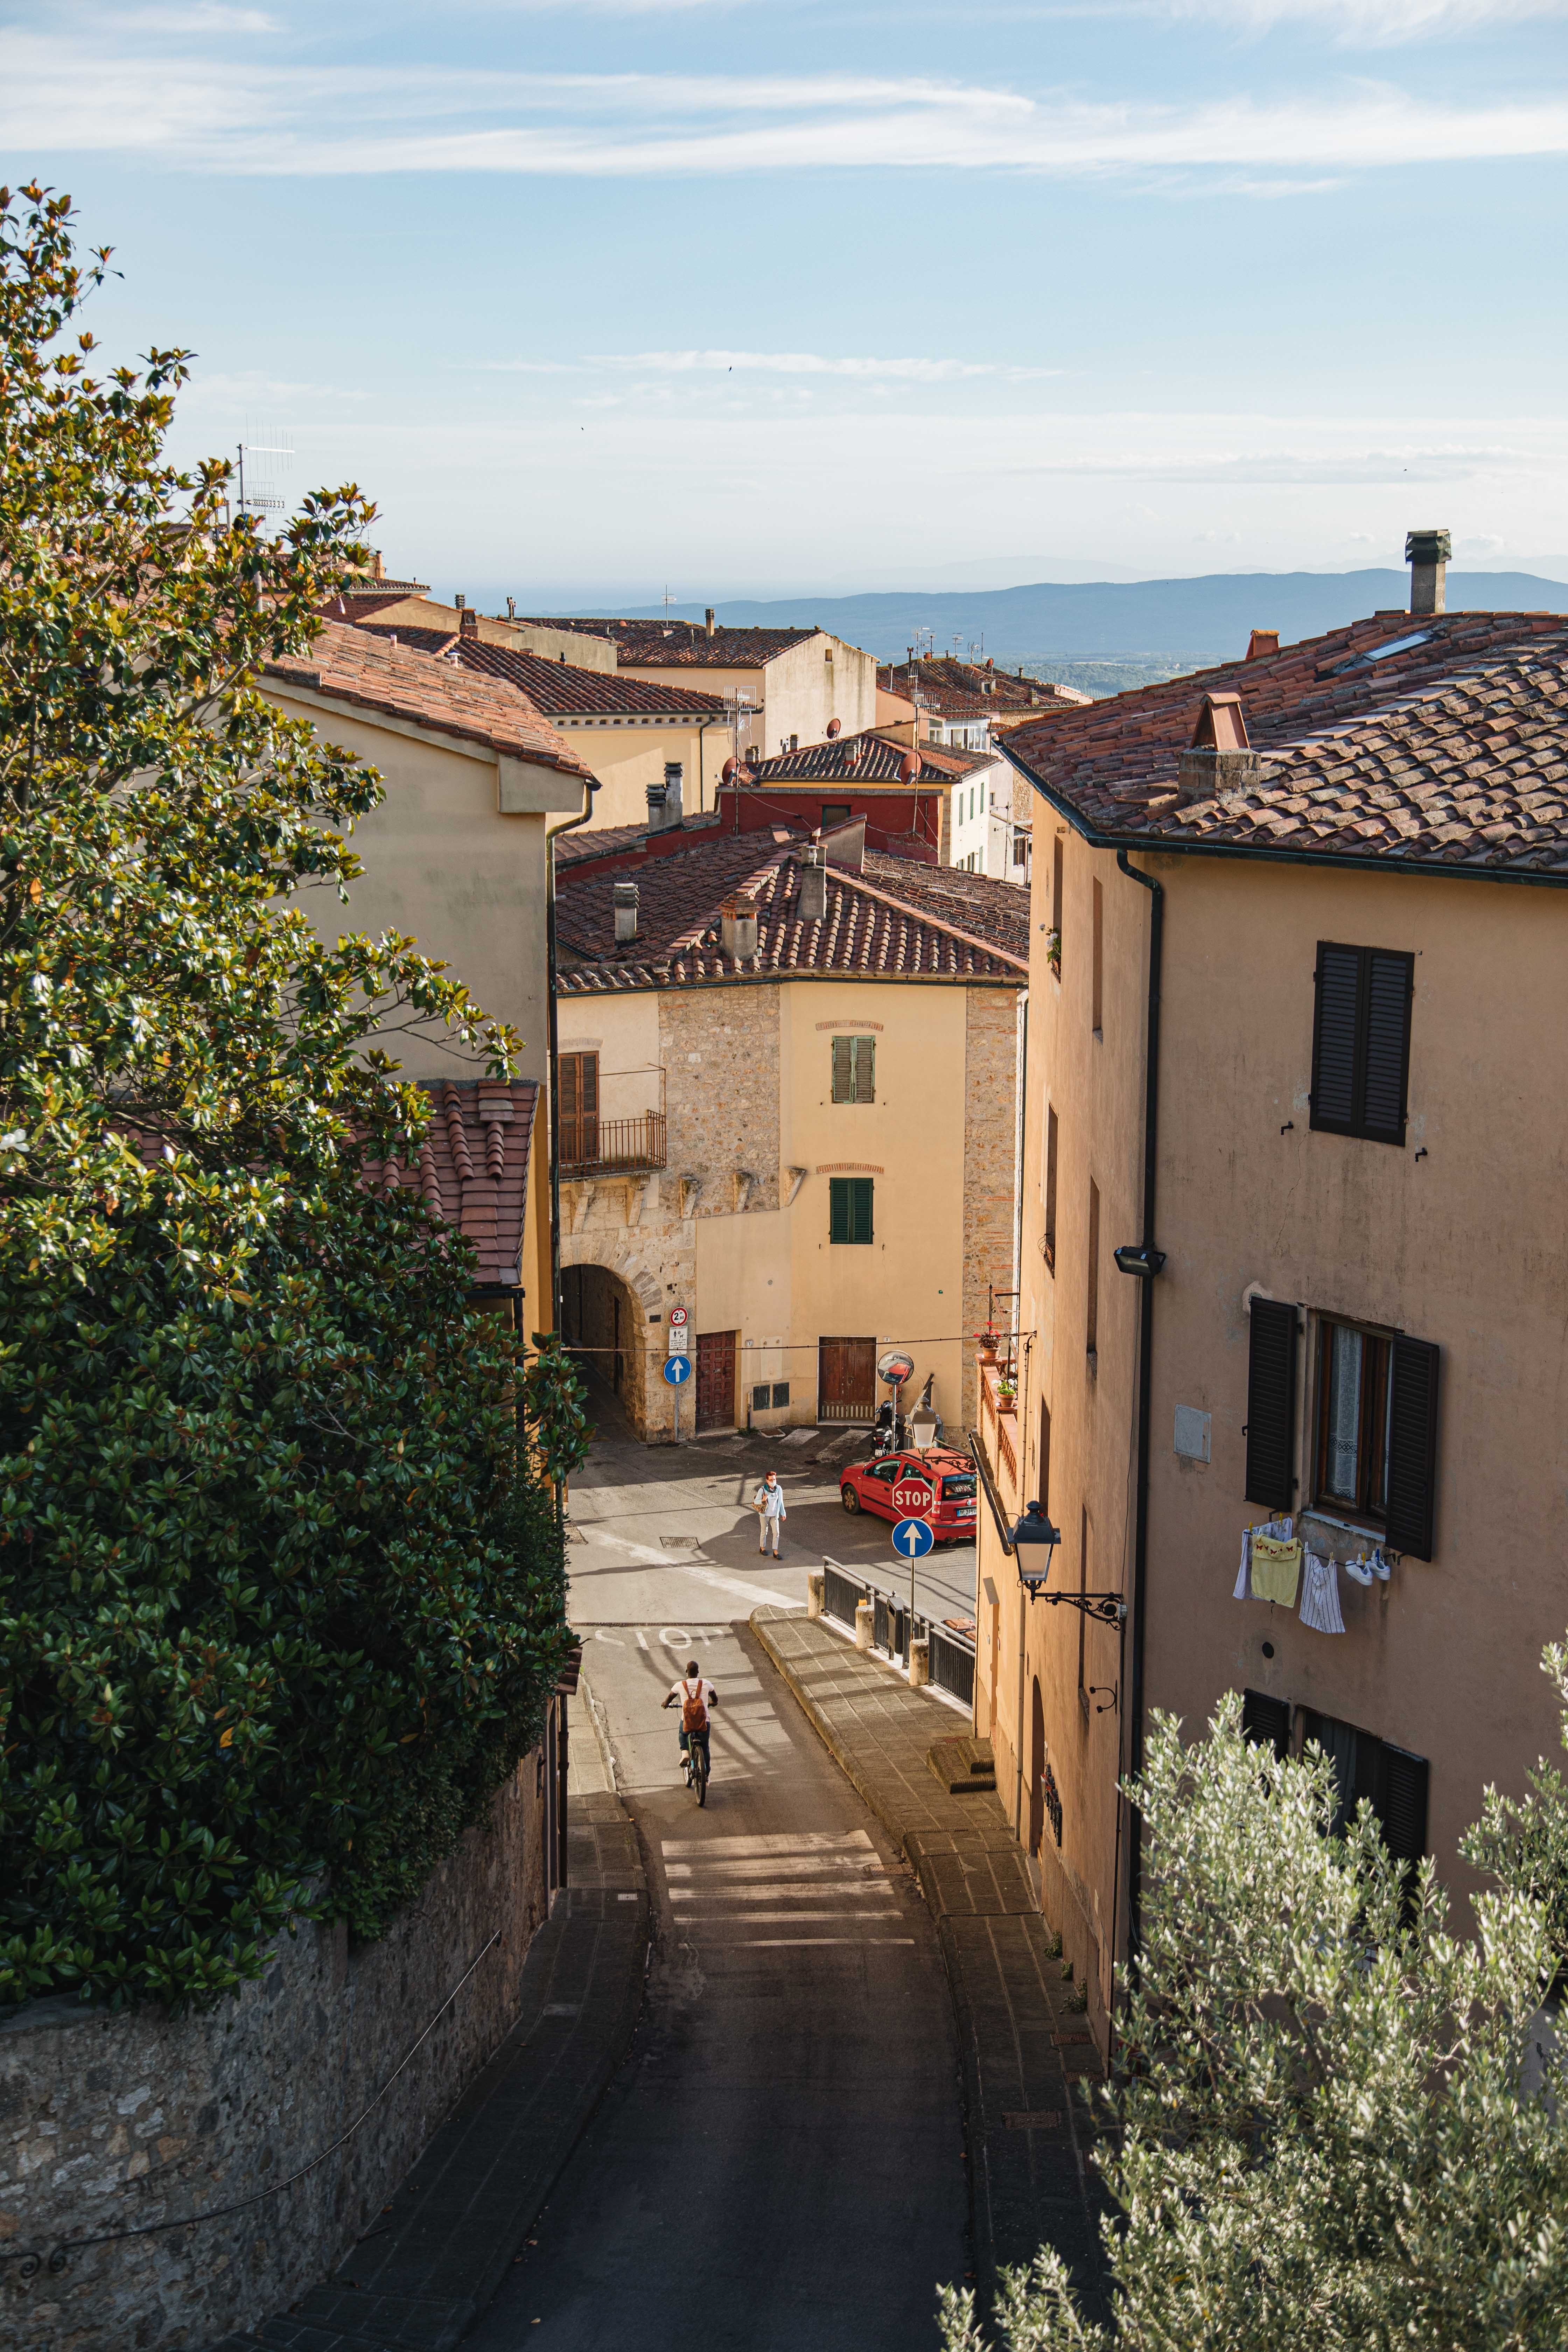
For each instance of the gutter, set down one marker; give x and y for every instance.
(1145, 1376)
(568, 825)
(1004, 1531)
(1164, 846)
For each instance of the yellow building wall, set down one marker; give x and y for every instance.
(627, 758)
(796, 693)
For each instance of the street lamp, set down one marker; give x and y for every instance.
(1036, 1540)
(1140, 1258)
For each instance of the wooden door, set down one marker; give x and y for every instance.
(579, 1097)
(847, 1379)
(715, 1380)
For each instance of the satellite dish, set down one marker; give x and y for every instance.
(910, 766)
(834, 727)
(727, 772)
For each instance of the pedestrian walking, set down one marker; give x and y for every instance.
(768, 1502)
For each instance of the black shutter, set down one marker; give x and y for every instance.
(1271, 1404)
(1266, 1721)
(1390, 982)
(1412, 1445)
(1402, 1812)
(1335, 1028)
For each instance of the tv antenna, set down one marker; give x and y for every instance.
(266, 459)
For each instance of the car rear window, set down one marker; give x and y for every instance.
(954, 1490)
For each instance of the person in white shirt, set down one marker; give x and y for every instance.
(694, 1695)
(769, 1505)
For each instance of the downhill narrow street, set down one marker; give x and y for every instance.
(780, 2162)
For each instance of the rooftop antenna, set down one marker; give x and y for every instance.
(668, 600)
(267, 459)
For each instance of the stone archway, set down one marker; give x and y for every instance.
(614, 1312)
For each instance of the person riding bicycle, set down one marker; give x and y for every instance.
(695, 1698)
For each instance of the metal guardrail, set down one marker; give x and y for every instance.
(950, 1653)
(953, 1663)
(597, 1146)
(840, 1593)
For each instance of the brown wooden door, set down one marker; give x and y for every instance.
(847, 1379)
(715, 1380)
(579, 1093)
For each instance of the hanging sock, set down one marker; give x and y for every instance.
(1320, 1596)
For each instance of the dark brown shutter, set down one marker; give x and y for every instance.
(1402, 1812)
(1271, 1404)
(1390, 980)
(865, 1068)
(1334, 1030)
(1266, 1721)
(1412, 1445)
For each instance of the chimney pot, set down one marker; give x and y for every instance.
(1428, 552)
(460, 602)
(467, 623)
(511, 608)
(708, 620)
(738, 929)
(625, 899)
(811, 893)
(1261, 643)
(674, 789)
(1219, 758)
(654, 808)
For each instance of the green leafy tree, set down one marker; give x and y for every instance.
(1337, 2123)
(280, 1596)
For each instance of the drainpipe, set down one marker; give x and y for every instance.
(569, 825)
(1145, 1372)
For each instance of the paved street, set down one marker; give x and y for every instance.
(781, 2161)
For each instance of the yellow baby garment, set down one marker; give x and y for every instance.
(1275, 1570)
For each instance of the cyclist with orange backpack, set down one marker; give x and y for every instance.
(695, 1696)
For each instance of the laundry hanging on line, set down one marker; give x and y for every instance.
(1279, 1529)
(1275, 1570)
(1320, 1595)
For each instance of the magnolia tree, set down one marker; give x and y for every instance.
(1336, 2123)
(281, 1593)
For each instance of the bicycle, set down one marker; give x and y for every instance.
(695, 1765)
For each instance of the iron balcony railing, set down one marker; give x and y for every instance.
(600, 1147)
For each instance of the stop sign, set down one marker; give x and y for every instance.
(912, 1497)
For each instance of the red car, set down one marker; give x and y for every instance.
(868, 1486)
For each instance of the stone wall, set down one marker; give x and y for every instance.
(721, 1053)
(991, 1055)
(116, 2121)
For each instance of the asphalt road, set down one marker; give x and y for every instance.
(779, 2164)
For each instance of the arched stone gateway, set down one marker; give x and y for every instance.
(611, 1308)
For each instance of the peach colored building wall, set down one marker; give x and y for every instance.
(1455, 1239)
(796, 693)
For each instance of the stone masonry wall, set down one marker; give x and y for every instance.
(719, 1048)
(990, 1169)
(114, 2121)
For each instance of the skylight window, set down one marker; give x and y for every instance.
(1370, 654)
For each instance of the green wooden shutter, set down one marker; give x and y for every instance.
(843, 1070)
(1271, 1404)
(840, 1213)
(1335, 1028)
(1412, 1447)
(861, 1188)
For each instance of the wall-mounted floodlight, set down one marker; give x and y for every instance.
(1139, 1258)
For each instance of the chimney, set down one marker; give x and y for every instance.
(377, 569)
(1427, 552)
(460, 602)
(846, 845)
(626, 898)
(811, 893)
(674, 784)
(738, 929)
(1219, 758)
(467, 623)
(656, 808)
(1261, 643)
(708, 620)
(511, 608)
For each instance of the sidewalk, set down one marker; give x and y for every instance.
(1024, 2050)
(421, 2279)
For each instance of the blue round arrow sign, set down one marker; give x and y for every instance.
(912, 1538)
(677, 1369)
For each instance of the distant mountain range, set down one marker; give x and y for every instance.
(1181, 622)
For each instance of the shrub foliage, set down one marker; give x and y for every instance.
(281, 1597)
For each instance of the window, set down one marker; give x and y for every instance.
(1266, 1721)
(1056, 848)
(1050, 1188)
(835, 813)
(781, 1388)
(1097, 987)
(578, 1093)
(854, 1069)
(1377, 1431)
(1393, 1780)
(761, 1396)
(1020, 847)
(1361, 1042)
(1093, 1303)
(957, 1490)
(850, 1208)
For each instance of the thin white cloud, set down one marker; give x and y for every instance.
(720, 363)
(202, 16)
(340, 121)
(1365, 24)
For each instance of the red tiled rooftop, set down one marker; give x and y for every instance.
(359, 666)
(897, 921)
(1451, 751)
(960, 689)
(676, 645)
(866, 758)
(472, 1168)
(562, 690)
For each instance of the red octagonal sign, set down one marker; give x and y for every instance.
(912, 1499)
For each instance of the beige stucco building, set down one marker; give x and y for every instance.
(456, 856)
(1329, 1122)
(788, 1106)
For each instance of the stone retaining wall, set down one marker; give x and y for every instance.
(113, 2121)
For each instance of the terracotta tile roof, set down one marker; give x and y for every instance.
(359, 666)
(1438, 741)
(649, 645)
(562, 690)
(473, 1167)
(597, 841)
(419, 640)
(971, 690)
(867, 758)
(897, 921)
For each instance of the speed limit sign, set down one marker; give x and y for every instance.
(678, 1315)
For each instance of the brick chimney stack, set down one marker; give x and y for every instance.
(1427, 553)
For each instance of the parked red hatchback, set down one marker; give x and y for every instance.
(868, 1486)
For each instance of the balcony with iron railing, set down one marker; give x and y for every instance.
(609, 1125)
(999, 1430)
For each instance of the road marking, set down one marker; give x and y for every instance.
(755, 1593)
(642, 1640)
(777, 1943)
(785, 1842)
(770, 1918)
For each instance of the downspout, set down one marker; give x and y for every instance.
(569, 825)
(1145, 1373)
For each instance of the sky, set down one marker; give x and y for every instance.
(611, 298)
